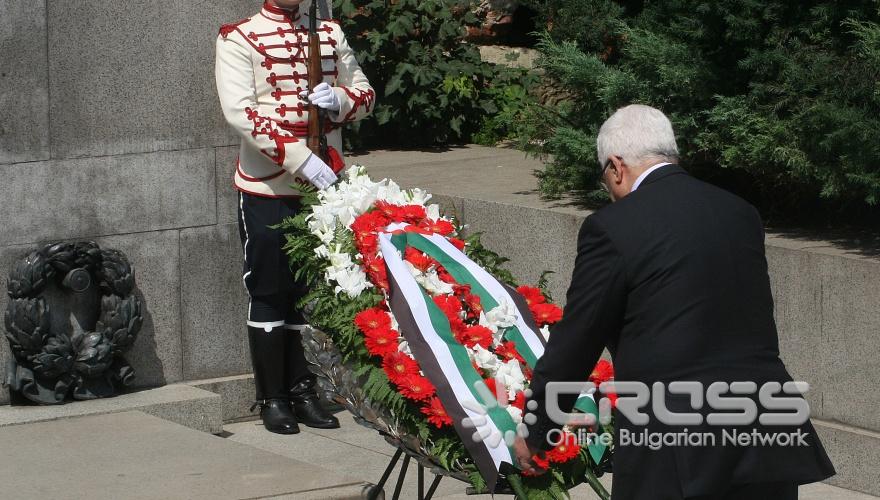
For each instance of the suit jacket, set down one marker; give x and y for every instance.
(673, 280)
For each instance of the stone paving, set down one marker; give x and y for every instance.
(363, 454)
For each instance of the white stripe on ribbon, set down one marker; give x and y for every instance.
(416, 301)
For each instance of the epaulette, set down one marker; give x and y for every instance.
(226, 29)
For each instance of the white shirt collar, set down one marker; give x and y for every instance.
(645, 174)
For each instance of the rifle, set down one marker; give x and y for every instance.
(317, 140)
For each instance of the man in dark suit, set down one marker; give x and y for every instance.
(672, 279)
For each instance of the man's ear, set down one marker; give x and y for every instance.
(617, 169)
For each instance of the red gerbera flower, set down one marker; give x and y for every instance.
(436, 413)
(473, 303)
(372, 319)
(546, 314)
(540, 463)
(457, 243)
(519, 401)
(602, 372)
(367, 243)
(381, 341)
(440, 226)
(413, 214)
(445, 276)
(375, 267)
(532, 295)
(567, 450)
(390, 211)
(398, 365)
(417, 259)
(457, 325)
(369, 222)
(449, 304)
(475, 335)
(507, 350)
(416, 387)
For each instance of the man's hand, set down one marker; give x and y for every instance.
(323, 96)
(318, 173)
(524, 458)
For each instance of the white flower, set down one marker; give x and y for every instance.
(484, 359)
(511, 375)
(433, 211)
(418, 197)
(515, 414)
(403, 347)
(322, 251)
(340, 260)
(389, 191)
(433, 284)
(502, 316)
(352, 280)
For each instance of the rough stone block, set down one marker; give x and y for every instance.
(214, 303)
(534, 240)
(227, 196)
(797, 295)
(24, 101)
(182, 404)
(236, 394)
(855, 454)
(107, 195)
(850, 321)
(128, 80)
(156, 354)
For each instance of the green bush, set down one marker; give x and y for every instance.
(782, 96)
(431, 87)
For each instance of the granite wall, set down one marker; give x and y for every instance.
(110, 130)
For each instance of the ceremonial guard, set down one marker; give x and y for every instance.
(263, 81)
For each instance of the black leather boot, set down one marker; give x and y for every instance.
(267, 358)
(308, 408)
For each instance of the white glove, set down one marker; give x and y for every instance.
(323, 96)
(318, 173)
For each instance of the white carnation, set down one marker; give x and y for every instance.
(502, 316)
(511, 375)
(515, 414)
(433, 211)
(484, 359)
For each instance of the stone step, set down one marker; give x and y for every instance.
(236, 395)
(137, 456)
(183, 404)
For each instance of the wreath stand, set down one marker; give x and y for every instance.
(377, 491)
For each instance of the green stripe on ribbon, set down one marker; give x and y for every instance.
(503, 421)
(463, 276)
(587, 404)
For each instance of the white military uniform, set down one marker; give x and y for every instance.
(262, 66)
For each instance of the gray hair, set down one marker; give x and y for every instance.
(637, 133)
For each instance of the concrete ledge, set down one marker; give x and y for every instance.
(188, 406)
(855, 454)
